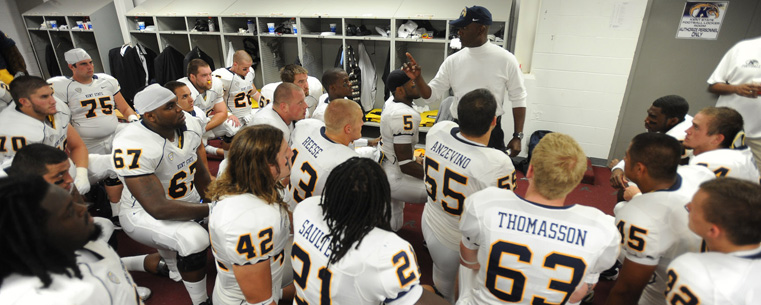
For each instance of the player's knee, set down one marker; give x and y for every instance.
(193, 239)
(112, 181)
(192, 262)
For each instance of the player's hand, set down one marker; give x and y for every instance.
(234, 120)
(618, 179)
(613, 163)
(373, 142)
(630, 192)
(747, 90)
(514, 146)
(411, 68)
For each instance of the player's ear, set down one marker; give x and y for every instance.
(672, 121)
(718, 138)
(494, 121)
(714, 232)
(530, 172)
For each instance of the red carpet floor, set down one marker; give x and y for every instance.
(168, 292)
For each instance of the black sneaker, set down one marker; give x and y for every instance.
(116, 222)
(207, 302)
(589, 297)
(612, 273)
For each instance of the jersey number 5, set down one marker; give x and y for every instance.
(635, 240)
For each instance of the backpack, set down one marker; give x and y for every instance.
(532, 142)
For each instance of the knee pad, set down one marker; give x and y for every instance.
(112, 181)
(193, 262)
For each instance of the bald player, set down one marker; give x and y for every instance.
(318, 147)
(287, 108)
(238, 86)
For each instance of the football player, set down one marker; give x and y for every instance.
(725, 212)
(338, 86)
(297, 75)
(248, 222)
(238, 86)
(207, 92)
(343, 251)
(399, 133)
(287, 108)
(39, 117)
(157, 160)
(318, 148)
(457, 164)
(714, 132)
(522, 246)
(653, 225)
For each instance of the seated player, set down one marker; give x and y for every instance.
(713, 133)
(287, 108)
(337, 86)
(725, 212)
(297, 75)
(67, 263)
(238, 86)
(653, 225)
(157, 160)
(399, 134)
(206, 92)
(249, 223)
(344, 250)
(522, 246)
(457, 164)
(318, 148)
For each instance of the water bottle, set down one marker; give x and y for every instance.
(250, 24)
(211, 25)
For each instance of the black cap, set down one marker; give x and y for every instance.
(477, 14)
(395, 79)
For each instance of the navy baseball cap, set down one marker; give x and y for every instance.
(396, 79)
(477, 14)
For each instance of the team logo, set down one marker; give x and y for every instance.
(464, 12)
(78, 90)
(170, 156)
(704, 10)
(752, 63)
(112, 277)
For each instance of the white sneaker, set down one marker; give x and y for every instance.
(144, 293)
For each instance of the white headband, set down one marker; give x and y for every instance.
(74, 56)
(151, 98)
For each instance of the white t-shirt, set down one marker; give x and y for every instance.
(399, 125)
(488, 66)
(455, 168)
(238, 91)
(269, 116)
(18, 130)
(210, 98)
(741, 65)
(715, 278)
(725, 162)
(92, 105)
(537, 246)
(383, 268)
(139, 151)
(654, 227)
(246, 230)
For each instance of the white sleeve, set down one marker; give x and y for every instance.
(611, 251)
(621, 164)
(395, 276)
(721, 73)
(469, 224)
(403, 127)
(439, 84)
(643, 245)
(131, 158)
(516, 89)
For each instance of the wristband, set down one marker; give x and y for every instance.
(467, 261)
(405, 162)
(132, 118)
(82, 172)
(266, 302)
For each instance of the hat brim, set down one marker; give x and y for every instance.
(461, 23)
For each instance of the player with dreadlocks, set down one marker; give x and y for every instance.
(342, 243)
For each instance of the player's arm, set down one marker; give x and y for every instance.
(255, 282)
(147, 189)
(469, 257)
(746, 90)
(407, 164)
(414, 72)
(631, 282)
(76, 147)
(123, 107)
(219, 116)
(202, 177)
(519, 116)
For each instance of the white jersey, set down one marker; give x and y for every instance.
(715, 278)
(322, 105)
(314, 157)
(22, 290)
(209, 98)
(5, 96)
(102, 267)
(455, 168)
(19, 130)
(315, 91)
(238, 91)
(724, 162)
(537, 239)
(269, 116)
(654, 227)
(200, 116)
(399, 125)
(92, 105)
(246, 230)
(383, 268)
(140, 151)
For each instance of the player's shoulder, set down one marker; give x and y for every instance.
(57, 80)
(193, 125)
(246, 206)
(103, 77)
(20, 289)
(443, 127)
(137, 136)
(379, 247)
(306, 125)
(493, 196)
(306, 208)
(223, 74)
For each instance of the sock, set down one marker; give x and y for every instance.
(197, 291)
(114, 209)
(135, 263)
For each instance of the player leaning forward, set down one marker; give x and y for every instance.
(561, 247)
(157, 159)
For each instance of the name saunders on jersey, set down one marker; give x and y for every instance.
(316, 237)
(450, 154)
(543, 228)
(312, 147)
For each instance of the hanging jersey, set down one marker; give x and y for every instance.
(5, 96)
(209, 98)
(268, 116)
(245, 230)
(654, 227)
(455, 168)
(19, 130)
(383, 268)
(22, 289)
(399, 125)
(314, 157)
(139, 151)
(92, 105)
(525, 247)
(724, 162)
(715, 278)
(237, 91)
(104, 267)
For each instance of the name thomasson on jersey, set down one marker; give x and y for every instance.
(450, 154)
(316, 237)
(543, 228)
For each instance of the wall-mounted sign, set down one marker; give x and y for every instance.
(702, 20)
